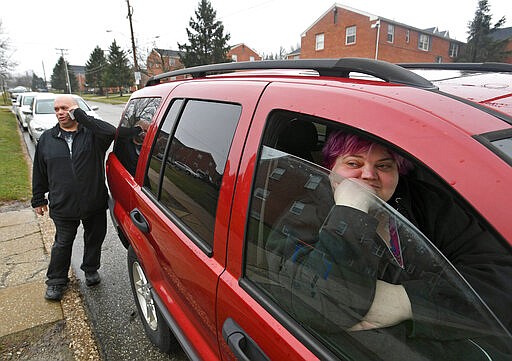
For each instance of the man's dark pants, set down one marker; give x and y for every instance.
(95, 229)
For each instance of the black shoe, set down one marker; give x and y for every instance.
(55, 292)
(92, 278)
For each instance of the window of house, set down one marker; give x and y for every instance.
(391, 33)
(424, 42)
(407, 36)
(234, 57)
(130, 134)
(439, 59)
(195, 148)
(251, 58)
(350, 35)
(319, 41)
(318, 264)
(454, 50)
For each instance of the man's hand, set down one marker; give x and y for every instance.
(41, 210)
(390, 306)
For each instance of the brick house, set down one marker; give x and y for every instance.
(295, 54)
(241, 52)
(343, 31)
(504, 34)
(162, 60)
(79, 71)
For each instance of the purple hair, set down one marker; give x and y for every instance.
(340, 142)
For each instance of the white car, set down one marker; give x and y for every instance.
(23, 107)
(42, 116)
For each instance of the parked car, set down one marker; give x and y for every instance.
(23, 107)
(202, 259)
(14, 92)
(42, 115)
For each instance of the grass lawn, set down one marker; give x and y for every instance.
(110, 99)
(15, 172)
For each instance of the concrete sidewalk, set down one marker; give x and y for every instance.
(24, 313)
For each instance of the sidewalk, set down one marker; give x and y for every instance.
(26, 318)
(32, 328)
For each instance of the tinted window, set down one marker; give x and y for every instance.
(324, 264)
(130, 135)
(159, 147)
(195, 163)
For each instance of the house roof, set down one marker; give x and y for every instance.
(501, 34)
(243, 44)
(294, 52)
(168, 52)
(433, 31)
(77, 69)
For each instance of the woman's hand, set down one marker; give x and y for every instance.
(355, 194)
(390, 306)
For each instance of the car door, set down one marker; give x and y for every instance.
(279, 299)
(181, 211)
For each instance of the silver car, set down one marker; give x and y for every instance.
(42, 116)
(23, 107)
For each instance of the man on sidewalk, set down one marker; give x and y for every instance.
(69, 166)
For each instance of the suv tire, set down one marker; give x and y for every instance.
(154, 324)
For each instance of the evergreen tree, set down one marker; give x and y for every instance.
(208, 44)
(118, 74)
(58, 78)
(38, 83)
(480, 46)
(95, 67)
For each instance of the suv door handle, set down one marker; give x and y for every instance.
(139, 220)
(244, 347)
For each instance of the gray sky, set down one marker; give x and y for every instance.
(36, 28)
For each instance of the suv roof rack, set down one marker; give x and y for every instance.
(324, 67)
(485, 67)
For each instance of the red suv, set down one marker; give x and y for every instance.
(236, 248)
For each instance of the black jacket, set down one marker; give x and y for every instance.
(75, 181)
(330, 262)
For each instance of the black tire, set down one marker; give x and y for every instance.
(154, 324)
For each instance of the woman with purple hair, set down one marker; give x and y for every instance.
(358, 268)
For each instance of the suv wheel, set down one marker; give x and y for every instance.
(154, 324)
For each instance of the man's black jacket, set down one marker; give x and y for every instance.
(75, 180)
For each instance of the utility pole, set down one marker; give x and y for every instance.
(373, 26)
(66, 68)
(44, 76)
(135, 64)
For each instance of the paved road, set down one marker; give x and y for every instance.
(112, 310)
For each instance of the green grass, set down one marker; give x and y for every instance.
(110, 99)
(15, 172)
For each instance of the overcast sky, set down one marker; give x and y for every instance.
(37, 29)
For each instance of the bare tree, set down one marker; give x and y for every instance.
(6, 64)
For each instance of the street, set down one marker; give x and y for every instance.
(110, 305)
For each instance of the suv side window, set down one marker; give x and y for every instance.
(130, 134)
(308, 258)
(187, 184)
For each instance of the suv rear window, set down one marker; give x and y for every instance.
(187, 184)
